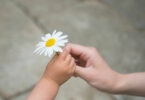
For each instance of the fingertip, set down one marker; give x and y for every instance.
(80, 71)
(63, 54)
(68, 59)
(72, 62)
(68, 44)
(75, 49)
(68, 47)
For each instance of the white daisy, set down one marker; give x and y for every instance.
(51, 44)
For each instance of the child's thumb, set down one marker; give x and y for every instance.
(80, 72)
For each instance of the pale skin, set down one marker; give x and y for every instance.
(91, 67)
(86, 63)
(58, 70)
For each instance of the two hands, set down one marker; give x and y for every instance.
(85, 62)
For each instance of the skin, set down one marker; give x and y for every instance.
(86, 63)
(91, 67)
(58, 70)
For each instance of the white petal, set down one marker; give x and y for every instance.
(57, 49)
(48, 35)
(58, 34)
(43, 51)
(62, 37)
(44, 38)
(40, 44)
(50, 51)
(37, 49)
(53, 32)
(63, 41)
(46, 52)
(60, 44)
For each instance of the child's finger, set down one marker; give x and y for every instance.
(72, 62)
(63, 54)
(68, 59)
(72, 65)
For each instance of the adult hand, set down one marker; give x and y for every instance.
(93, 69)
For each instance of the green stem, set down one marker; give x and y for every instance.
(57, 53)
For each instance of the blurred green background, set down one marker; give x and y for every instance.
(115, 27)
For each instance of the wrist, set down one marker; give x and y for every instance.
(49, 82)
(51, 79)
(44, 90)
(120, 84)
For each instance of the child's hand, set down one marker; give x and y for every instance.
(60, 68)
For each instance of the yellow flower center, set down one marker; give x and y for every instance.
(50, 42)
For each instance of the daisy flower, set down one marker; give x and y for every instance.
(51, 43)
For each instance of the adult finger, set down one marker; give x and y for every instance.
(80, 72)
(77, 50)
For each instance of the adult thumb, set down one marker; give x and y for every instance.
(80, 72)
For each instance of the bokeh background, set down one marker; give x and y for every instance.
(115, 27)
